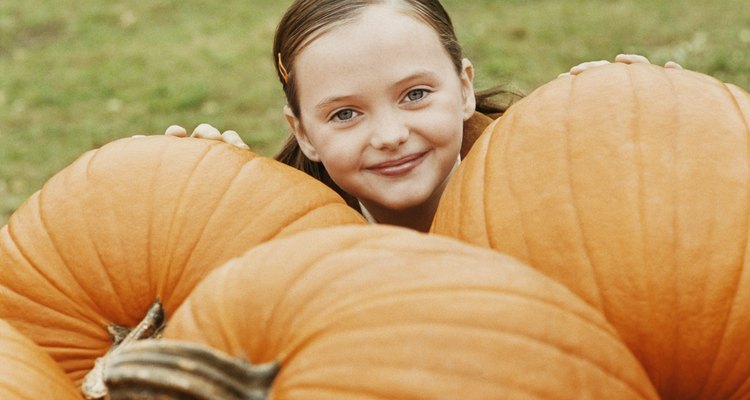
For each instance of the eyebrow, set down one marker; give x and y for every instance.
(332, 99)
(420, 74)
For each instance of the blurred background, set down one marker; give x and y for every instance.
(76, 74)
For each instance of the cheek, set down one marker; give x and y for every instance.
(444, 127)
(339, 156)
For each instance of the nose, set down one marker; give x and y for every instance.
(388, 132)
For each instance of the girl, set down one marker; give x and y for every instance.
(378, 95)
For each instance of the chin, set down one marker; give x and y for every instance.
(402, 203)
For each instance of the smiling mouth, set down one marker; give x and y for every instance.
(400, 166)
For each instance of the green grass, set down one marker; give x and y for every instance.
(75, 74)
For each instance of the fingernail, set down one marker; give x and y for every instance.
(176, 130)
(233, 138)
(206, 131)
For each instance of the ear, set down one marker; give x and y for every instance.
(467, 88)
(299, 133)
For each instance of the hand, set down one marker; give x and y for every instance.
(620, 58)
(206, 131)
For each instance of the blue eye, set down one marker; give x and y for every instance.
(344, 115)
(416, 94)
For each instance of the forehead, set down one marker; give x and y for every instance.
(382, 39)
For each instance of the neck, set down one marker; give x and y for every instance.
(418, 217)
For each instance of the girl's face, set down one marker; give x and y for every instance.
(382, 108)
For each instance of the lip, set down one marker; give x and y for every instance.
(399, 166)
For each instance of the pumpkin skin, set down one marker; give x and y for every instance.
(630, 185)
(379, 312)
(137, 220)
(28, 372)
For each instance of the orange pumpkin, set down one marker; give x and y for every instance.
(137, 220)
(378, 312)
(28, 372)
(630, 184)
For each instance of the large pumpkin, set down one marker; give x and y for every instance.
(140, 220)
(27, 372)
(631, 185)
(377, 312)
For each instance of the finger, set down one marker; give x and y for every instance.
(206, 131)
(234, 138)
(631, 59)
(564, 74)
(138, 136)
(672, 64)
(587, 65)
(176, 130)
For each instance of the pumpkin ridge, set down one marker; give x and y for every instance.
(329, 389)
(67, 316)
(642, 189)
(372, 245)
(354, 307)
(485, 183)
(66, 348)
(87, 161)
(278, 303)
(372, 393)
(656, 374)
(300, 218)
(84, 216)
(337, 390)
(459, 183)
(456, 180)
(24, 361)
(110, 280)
(573, 201)
(149, 227)
(30, 362)
(742, 388)
(222, 276)
(40, 271)
(289, 218)
(222, 318)
(282, 227)
(166, 269)
(5, 288)
(207, 220)
(15, 392)
(666, 379)
(388, 329)
(88, 221)
(638, 160)
(293, 283)
(743, 269)
(731, 393)
(511, 121)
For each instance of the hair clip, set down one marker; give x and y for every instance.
(282, 70)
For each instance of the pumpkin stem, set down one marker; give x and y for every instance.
(176, 370)
(93, 386)
(117, 333)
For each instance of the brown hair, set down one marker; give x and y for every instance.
(305, 19)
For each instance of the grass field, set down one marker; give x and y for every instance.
(75, 74)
